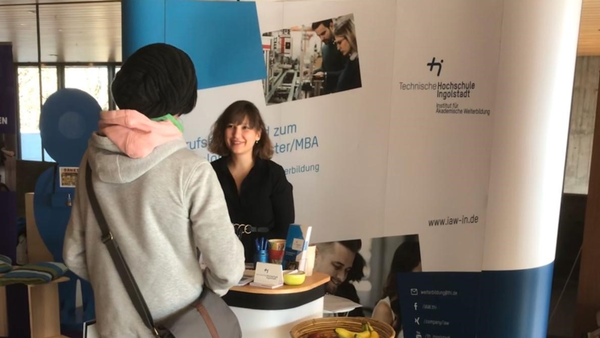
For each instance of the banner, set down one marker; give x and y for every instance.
(8, 216)
(8, 106)
(406, 152)
(446, 121)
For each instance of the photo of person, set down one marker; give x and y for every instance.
(311, 60)
(407, 258)
(364, 271)
(336, 259)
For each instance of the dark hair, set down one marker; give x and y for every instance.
(406, 258)
(236, 113)
(353, 245)
(356, 273)
(156, 80)
(326, 23)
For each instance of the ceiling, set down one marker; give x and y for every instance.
(70, 31)
(90, 30)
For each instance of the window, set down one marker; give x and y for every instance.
(29, 108)
(92, 80)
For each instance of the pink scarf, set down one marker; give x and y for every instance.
(134, 133)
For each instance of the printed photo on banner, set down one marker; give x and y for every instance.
(68, 177)
(364, 275)
(311, 60)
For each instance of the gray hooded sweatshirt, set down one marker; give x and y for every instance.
(160, 208)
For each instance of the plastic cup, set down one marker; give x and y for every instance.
(276, 250)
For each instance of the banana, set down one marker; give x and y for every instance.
(343, 333)
(374, 333)
(364, 334)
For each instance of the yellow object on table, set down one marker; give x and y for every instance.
(294, 277)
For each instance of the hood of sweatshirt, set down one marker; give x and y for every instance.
(129, 144)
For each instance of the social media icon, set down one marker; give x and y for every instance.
(417, 320)
(416, 306)
(418, 335)
(414, 292)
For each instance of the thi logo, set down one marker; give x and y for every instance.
(435, 64)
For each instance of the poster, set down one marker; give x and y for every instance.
(68, 176)
(388, 157)
(8, 199)
(7, 90)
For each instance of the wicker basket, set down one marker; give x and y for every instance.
(305, 328)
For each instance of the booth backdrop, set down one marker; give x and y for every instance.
(457, 133)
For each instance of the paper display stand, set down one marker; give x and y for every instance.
(296, 247)
(268, 275)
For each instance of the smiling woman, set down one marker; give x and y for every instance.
(257, 192)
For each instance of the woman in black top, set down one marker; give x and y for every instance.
(258, 195)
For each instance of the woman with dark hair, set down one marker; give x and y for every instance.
(160, 200)
(258, 195)
(407, 258)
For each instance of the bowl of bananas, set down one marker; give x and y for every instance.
(342, 327)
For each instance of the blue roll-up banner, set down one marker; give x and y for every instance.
(447, 120)
(8, 205)
(8, 105)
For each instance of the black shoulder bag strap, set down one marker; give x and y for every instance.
(115, 253)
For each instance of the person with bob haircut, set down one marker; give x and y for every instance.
(161, 201)
(258, 195)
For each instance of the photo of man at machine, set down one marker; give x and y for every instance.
(311, 60)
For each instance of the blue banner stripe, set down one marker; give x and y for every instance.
(487, 304)
(143, 23)
(515, 303)
(222, 38)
